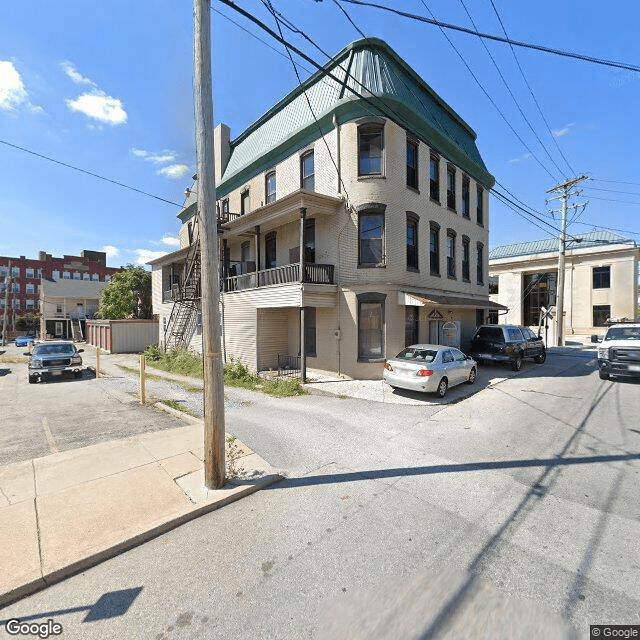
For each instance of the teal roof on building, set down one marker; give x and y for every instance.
(372, 69)
(592, 239)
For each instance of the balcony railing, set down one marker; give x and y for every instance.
(227, 216)
(313, 274)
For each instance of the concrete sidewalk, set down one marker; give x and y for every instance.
(66, 512)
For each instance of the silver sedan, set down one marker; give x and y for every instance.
(431, 368)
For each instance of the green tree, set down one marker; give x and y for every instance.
(128, 295)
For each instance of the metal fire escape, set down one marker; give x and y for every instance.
(186, 298)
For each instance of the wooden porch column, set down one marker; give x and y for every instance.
(257, 248)
(303, 349)
(225, 264)
(303, 215)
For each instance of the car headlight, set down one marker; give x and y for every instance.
(76, 360)
(603, 352)
(36, 363)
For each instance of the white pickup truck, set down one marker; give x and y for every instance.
(619, 353)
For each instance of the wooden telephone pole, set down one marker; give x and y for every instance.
(214, 455)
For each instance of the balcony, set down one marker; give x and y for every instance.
(288, 273)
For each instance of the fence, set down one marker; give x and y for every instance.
(289, 366)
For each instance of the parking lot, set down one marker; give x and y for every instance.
(66, 413)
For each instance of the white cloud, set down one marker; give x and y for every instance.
(521, 158)
(12, 90)
(157, 158)
(72, 72)
(99, 106)
(559, 133)
(171, 241)
(174, 170)
(111, 251)
(144, 255)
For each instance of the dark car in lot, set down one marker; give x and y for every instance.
(54, 359)
(507, 343)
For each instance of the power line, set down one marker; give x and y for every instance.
(629, 193)
(614, 200)
(596, 226)
(517, 43)
(524, 77)
(506, 202)
(269, 6)
(637, 184)
(383, 108)
(486, 93)
(89, 173)
(506, 84)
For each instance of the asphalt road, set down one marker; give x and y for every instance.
(515, 510)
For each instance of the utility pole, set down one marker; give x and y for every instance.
(7, 284)
(564, 188)
(214, 428)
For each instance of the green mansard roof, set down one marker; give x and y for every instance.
(390, 83)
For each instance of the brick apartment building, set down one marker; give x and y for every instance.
(27, 274)
(350, 228)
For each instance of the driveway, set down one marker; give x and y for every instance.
(517, 507)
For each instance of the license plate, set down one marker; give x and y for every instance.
(56, 373)
(634, 367)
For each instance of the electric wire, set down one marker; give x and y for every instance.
(269, 6)
(506, 84)
(486, 93)
(328, 73)
(517, 43)
(524, 77)
(89, 173)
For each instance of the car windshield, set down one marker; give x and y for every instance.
(53, 349)
(417, 355)
(623, 333)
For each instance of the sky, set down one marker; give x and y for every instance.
(107, 88)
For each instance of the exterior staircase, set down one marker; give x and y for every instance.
(186, 299)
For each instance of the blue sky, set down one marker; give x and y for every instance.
(107, 87)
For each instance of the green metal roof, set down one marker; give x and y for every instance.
(592, 239)
(387, 81)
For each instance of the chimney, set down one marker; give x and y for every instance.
(221, 149)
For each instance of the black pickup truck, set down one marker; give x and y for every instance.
(507, 343)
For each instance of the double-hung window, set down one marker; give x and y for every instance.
(307, 171)
(434, 248)
(451, 253)
(465, 197)
(480, 205)
(371, 326)
(434, 178)
(412, 241)
(412, 164)
(480, 262)
(245, 204)
(270, 187)
(451, 188)
(465, 258)
(370, 149)
(601, 277)
(371, 237)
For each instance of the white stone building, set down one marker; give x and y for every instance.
(381, 191)
(601, 282)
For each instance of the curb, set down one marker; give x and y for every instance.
(175, 412)
(165, 526)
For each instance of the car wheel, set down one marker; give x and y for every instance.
(539, 359)
(441, 391)
(33, 379)
(77, 374)
(472, 376)
(603, 375)
(516, 365)
(480, 361)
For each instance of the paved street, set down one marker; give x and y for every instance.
(528, 489)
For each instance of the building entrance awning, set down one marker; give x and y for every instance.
(450, 302)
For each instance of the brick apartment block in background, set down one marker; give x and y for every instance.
(360, 225)
(29, 275)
